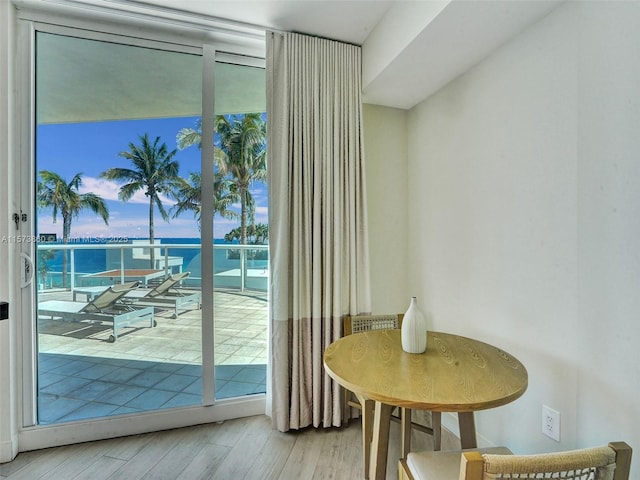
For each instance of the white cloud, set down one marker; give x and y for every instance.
(130, 219)
(108, 190)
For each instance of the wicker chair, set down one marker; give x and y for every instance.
(364, 323)
(612, 462)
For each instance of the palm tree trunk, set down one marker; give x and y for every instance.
(243, 218)
(152, 252)
(66, 232)
(243, 239)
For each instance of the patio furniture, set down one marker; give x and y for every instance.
(611, 462)
(137, 255)
(141, 257)
(140, 274)
(166, 294)
(106, 307)
(163, 295)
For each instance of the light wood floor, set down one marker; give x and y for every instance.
(246, 448)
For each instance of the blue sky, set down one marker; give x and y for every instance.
(91, 148)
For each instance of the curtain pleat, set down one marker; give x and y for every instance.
(319, 258)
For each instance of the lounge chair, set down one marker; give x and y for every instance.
(105, 307)
(163, 295)
(166, 294)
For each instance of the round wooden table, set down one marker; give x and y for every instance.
(454, 374)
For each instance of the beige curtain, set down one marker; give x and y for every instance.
(317, 219)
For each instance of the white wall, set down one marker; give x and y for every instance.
(385, 138)
(608, 362)
(524, 225)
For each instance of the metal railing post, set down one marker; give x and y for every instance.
(243, 269)
(73, 269)
(121, 265)
(166, 261)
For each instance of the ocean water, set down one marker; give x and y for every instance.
(100, 259)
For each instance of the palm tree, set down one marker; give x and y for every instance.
(190, 136)
(257, 234)
(154, 171)
(188, 196)
(54, 191)
(240, 153)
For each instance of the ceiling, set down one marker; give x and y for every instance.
(410, 49)
(345, 20)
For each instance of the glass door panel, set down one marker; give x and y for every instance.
(241, 231)
(118, 276)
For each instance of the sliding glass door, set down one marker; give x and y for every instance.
(241, 232)
(149, 285)
(107, 170)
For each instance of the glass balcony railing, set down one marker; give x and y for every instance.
(242, 267)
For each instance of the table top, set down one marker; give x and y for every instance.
(135, 272)
(454, 374)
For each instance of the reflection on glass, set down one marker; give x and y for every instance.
(241, 233)
(118, 285)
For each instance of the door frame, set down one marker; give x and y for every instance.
(30, 435)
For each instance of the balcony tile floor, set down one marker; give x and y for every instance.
(81, 375)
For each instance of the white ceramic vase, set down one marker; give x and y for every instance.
(414, 329)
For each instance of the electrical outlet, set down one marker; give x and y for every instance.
(551, 423)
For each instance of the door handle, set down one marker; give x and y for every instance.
(26, 275)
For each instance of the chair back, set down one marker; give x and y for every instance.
(167, 284)
(365, 323)
(109, 297)
(612, 462)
